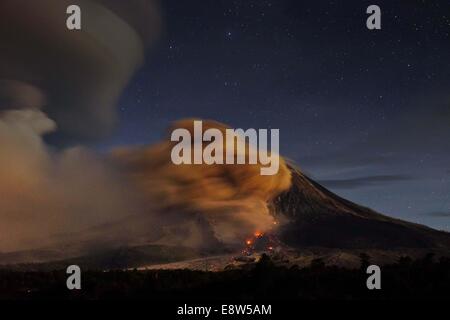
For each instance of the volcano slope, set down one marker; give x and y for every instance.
(316, 224)
(320, 218)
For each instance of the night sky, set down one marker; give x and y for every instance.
(366, 113)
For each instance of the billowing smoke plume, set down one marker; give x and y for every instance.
(53, 80)
(231, 198)
(136, 193)
(45, 194)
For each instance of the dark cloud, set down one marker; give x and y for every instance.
(79, 74)
(363, 181)
(19, 95)
(438, 214)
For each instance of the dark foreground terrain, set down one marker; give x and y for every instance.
(425, 278)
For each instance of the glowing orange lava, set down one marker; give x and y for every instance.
(258, 234)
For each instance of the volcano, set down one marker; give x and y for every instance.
(314, 223)
(319, 218)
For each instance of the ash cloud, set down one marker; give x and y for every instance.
(53, 80)
(79, 74)
(56, 80)
(231, 199)
(45, 193)
(130, 196)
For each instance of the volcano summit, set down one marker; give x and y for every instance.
(319, 217)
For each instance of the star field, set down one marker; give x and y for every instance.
(349, 102)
